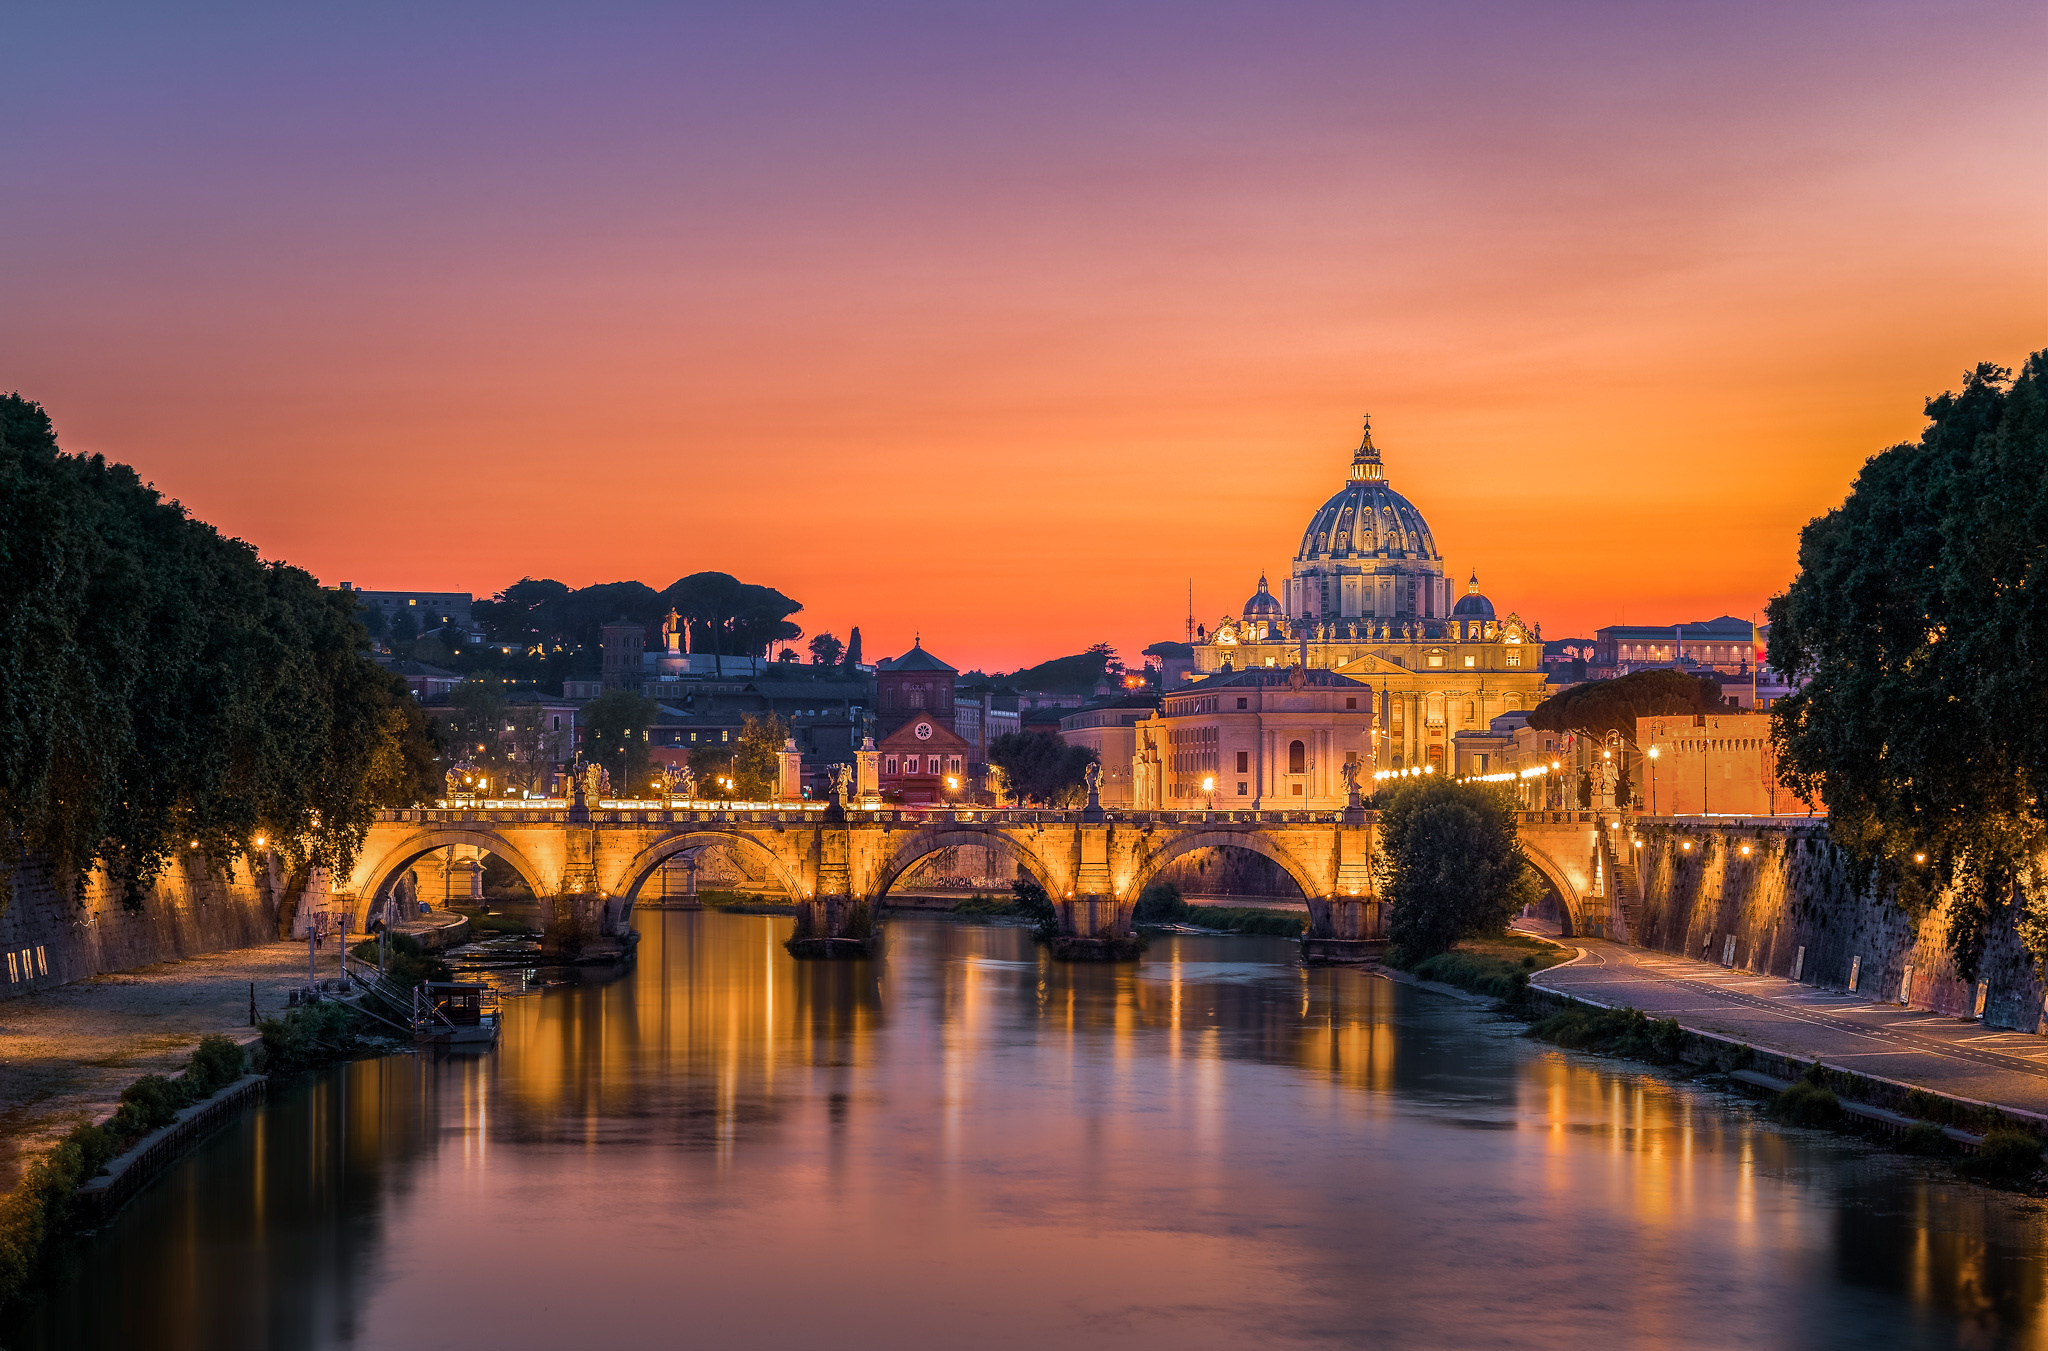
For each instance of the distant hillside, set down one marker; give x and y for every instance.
(1078, 674)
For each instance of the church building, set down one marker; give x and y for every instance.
(1368, 598)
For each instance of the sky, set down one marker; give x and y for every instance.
(1005, 324)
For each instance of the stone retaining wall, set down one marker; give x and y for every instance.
(1793, 890)
(50, 938)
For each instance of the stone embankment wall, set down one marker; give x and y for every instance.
(50, 936)
(1792, 908)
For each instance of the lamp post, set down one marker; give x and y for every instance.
(1653, 780)
(1209, 787)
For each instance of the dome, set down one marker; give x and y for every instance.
(1472, 605)
(1262, 605)
(1367, 519)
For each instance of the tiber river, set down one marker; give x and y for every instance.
(965, 1145)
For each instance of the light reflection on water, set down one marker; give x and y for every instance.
(966, 1144)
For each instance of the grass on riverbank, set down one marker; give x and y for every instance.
(1161, 904)
(1499, 966)
(38, 1210)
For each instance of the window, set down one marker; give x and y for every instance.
(1514, 657)
(1436, 659)
(889, 765)
(917, 697)
(558, 723)
(1351, 701)
(1471, 661)
(1297, 758)
(1243, 789)
(952, 764)
(725, 735)
(1297, 790)
(1244, 759)
(693, 738)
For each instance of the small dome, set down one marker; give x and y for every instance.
(1262, 605)
(1472, 605)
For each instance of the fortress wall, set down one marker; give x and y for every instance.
(1795, 890)
(54, 937)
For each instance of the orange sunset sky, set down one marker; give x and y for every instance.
(1004, 324)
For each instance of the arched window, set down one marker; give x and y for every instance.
(1297, 758)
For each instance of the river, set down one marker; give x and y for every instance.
(964, 1144)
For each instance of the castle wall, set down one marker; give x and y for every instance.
(1795, 891)
(51, 938)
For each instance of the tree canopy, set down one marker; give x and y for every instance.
(1915, 626)
(1450, 862)
(1078, 674)
(615, 734)
(1039, 767)
(723, 614)
(165, 689)
(1602, 706)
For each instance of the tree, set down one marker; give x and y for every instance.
(1450, 862)
(476, 727)
(852, 662)
(161, 685)
(756, 767)
(1602, 706)
(826, 650)
(615, 735)
(728, 617)
(1913, 630)
(1040, 768)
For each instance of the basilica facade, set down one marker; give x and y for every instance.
(1368, 599)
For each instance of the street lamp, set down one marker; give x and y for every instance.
(1209, 787)
(1653, 780)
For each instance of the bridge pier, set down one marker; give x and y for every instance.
(1344, 930)
(1095, 927)
(831, 922)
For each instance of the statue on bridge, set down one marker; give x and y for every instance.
(842, 785)
(597, 783)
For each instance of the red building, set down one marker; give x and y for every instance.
(923, 761)
(914, 684)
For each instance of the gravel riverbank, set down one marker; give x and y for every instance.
(66, 1053)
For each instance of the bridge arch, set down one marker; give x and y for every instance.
(1148, 866)
(400, 858)
(1567, 899)
(662, 850)
(922, 844)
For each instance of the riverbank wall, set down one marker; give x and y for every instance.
(50, 936)
(1776, 897)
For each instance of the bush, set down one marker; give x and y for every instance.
(1623, 1032)
(309, 1036)
(146, 1104)
(1160, 903)
(1036, 906)
(216, 1063)
(1923, 1137)
(2007, 1154)
(1806, 1104)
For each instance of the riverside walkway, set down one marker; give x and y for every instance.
(1929, 1050)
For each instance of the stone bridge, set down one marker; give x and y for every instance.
(597, 863)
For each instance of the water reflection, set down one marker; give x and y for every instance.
(967, 1143)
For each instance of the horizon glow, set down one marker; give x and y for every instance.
(1004, 325)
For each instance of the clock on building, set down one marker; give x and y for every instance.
(923, 731)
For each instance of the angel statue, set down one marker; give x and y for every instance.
(842, 784)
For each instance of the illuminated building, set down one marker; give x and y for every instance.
(1368, 599)
(1262, 737)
